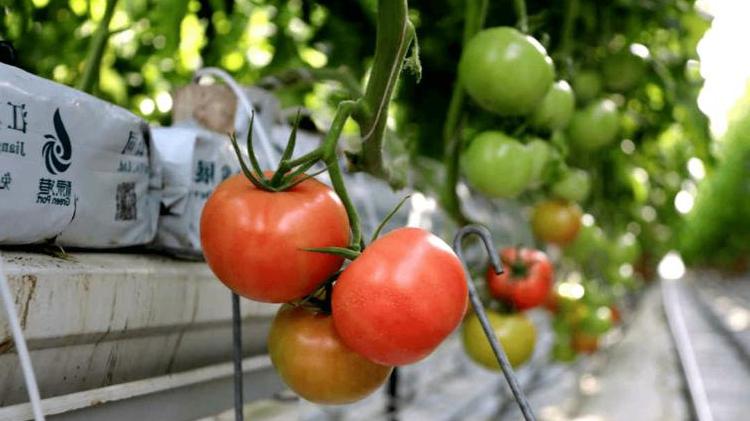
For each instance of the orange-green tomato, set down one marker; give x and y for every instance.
(556, 221)
(556, 108)
(311, 359)
(594, 126)
(515, 332)
(505, 71)
(497, 165)
(584, 343)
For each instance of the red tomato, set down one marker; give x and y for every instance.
(556, 221)
(397, 302)
(253, 239)
(527, 279)
(312, 360)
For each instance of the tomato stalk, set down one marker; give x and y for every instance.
(345, 109)
(568, 27)
(523, 20)
(475, 15)
(96, 49)
(395, 34)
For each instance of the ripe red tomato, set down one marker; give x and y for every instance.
(527, 279)
(556, 221)
(253, 240)
(515, 332)
(396, 302)
(311, 359)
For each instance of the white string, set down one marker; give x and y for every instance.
(23, 351)
(246, 103)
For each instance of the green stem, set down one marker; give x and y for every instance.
(314, 155)
(523, 20)
(394, 35)
(568, 27)
(345, 109)
(476, 13)
(96, 49)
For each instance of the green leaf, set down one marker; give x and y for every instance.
(388, 218)
(245, 170)
(336, 251)
(288, 151)
(251, 153)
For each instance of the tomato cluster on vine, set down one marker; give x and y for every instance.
(342, 326)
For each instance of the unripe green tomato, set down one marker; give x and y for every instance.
(540, 153)
(515, 332)
(574, 185)
(505, 71)
(497, 165)
(587, 85)
(594, 126)
(556, 108)
(589, 242)
(598, 321)
(623, 71)
(624, 249)
(562, 350)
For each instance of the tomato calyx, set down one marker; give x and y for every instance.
(350, 253)
(282, 179)
(519, 269)
(320, 300)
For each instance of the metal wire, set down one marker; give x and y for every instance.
(484, 234)
(237, 356)
(392, 408)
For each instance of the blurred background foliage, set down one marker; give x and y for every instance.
(643, 186)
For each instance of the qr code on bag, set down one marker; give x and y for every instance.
(127, 209)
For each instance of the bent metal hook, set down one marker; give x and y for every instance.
(484, 234)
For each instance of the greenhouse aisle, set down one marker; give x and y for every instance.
(637, 378)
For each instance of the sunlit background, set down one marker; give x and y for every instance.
(726, 70)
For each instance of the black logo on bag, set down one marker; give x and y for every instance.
(127, 202)
(58, 150)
